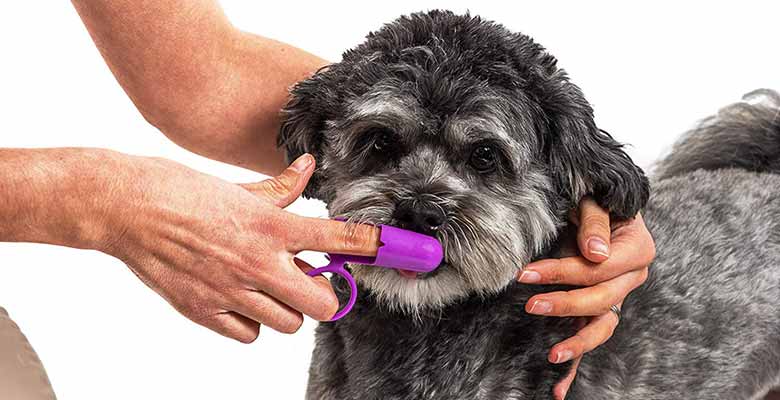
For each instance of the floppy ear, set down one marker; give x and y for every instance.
(311, 102)
(586, 160)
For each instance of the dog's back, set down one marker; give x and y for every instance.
(706, 324)
(744, 135)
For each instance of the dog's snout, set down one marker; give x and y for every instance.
(420, 217)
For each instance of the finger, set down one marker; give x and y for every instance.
(589, 301)
(593, 231)
(233, 325)
(305, 268)
(309, 295)
(561, 388)
(288, 186)
(634, 233)
(267, 311)
(632, 248)
(579, 271)
(593, 335)
(305, 233)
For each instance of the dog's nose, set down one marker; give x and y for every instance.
(420, 217)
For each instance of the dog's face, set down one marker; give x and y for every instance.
(454, 127)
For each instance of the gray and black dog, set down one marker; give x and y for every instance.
(455, 127)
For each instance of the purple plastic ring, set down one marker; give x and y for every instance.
(336, 266)
(399, 249)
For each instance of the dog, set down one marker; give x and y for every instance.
(453, 126)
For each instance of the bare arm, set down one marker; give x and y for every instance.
(207, 86)
(48, 196)
(222, 254)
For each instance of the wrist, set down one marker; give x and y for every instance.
(57, 196)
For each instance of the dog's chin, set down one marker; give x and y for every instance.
(413, 292)
(409, 291)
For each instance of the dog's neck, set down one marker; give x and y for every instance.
(563, 245)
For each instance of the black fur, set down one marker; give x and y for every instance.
(432, 85)
(456, 62)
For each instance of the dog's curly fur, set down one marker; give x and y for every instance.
(460, 116)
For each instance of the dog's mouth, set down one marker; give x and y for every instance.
(412, 275)
(408, 274)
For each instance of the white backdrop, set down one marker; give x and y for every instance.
(649, 71)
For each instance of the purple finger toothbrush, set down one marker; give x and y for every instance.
(398, 249)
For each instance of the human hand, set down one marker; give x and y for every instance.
(613, 263)
(223, 254)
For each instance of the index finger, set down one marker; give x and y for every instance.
(332, 236)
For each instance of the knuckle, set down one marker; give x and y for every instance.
(327, 308)
(592, 276)
(243, 334)
(651, 252)
(606, 301)
(595, 223)
(583, 344)
(196, 311)
(257, 272)
(248, 337)
(643, 275)
(232, 297)
(292, 324)
(564, 306)
(556, 275)
(259, 310)
(352, 240)
(358, 237)
(277, 187)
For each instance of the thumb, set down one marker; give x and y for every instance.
(593, 233)
(285, 188)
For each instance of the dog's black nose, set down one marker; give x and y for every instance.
(420, 217)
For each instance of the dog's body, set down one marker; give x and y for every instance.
(489, 147)
(705, 325)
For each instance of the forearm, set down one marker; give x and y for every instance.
(207, 86)
(55, 196)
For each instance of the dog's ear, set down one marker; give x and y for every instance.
(584, 159)
(311, 103)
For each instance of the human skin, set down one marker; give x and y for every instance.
(209, 87)
(605, 279)
(217, 91)
(221, 254)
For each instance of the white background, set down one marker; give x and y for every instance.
(649, 71)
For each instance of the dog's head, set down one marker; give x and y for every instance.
(455, 127)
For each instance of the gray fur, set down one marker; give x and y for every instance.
(742, 135)
(399, 121)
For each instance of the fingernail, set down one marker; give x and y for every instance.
(563, 356)
(530, 277)
(540, 307)
(597, 246)
(303, 162)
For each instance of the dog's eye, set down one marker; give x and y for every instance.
(383, 138)
(483, 159)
